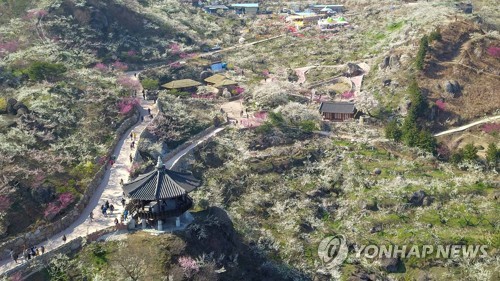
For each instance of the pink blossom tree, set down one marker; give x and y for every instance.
(8, 47)
(126, 105)
(494, 51)
(101, 67)
(175, 48)
(120, 66)
(129, 83)
(491, 128)
(5, 203)
(239, 90)
(347, 95)
(441, 104)
(189, 266)
(62, 203)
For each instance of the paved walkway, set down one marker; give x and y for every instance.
(464, 127)
(109, 189)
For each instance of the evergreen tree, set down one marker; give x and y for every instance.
(422, 51)
(393, 132)
(470, 152)
(492, 155)
(426, 141)
(457, 157)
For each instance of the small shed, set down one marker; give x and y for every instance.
(218, 66)
(337, 111)
(212, 9)
(220, 81)
(181, 84)
(333, 8)
(246, 8)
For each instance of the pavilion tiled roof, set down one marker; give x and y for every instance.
(160, 184)
(337, 107)
(220, 81)
(179, 84)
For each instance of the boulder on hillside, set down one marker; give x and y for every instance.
(417, 198)
(354, 69)
(452, 88)
(420, 198)
(392, 265)
(394, 62)
(385, 63)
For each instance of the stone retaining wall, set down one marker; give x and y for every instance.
(179, 148)
(43, 233)
(39, 262)
(183, 146)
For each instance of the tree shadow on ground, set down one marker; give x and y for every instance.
(213, 232)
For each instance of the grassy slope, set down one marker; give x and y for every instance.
(294, 206)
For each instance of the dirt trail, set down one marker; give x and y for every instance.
(464, 127)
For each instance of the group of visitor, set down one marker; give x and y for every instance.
(104, 209)
(28, 253)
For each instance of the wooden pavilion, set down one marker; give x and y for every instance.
(183, 84)
(160, 195)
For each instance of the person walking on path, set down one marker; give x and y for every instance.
(42, 249)
(91, 216)
(149, 111)
(121, 181)
(26, 255)
(123, 202)
(64, 238)
(131, 135)
(131, 158)
(106, 204)
(125, 214)
(103, 210)
(13, 255)
(111, 208)
(116, 222)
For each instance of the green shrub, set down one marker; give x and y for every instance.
(435, 36)
(39, 71)
(457, 157)
(3, 104)
(393, 132)
(470, 152)
(265, 128)
(422, 51)
(492, 154)
(308, 126)
(276, 118)
(150, 84)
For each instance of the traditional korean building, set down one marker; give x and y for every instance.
(220, 81)
(338, 111)
(183, 84)
(160, 196)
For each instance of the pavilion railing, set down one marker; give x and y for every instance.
(180, 209)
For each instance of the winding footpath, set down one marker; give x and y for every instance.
(464, 127)
(110, 187)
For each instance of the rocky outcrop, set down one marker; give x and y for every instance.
(15, 107)
(354, 69)
(392, 62)
(392, 265)
(420, 198)
(452, 88)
